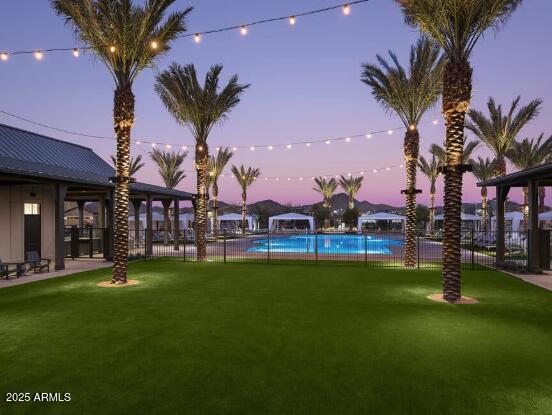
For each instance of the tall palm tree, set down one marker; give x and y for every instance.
(200, 108)
(527, 154)
(498, 131)
(441, 154)
(409, 93)
(215, 167)
(431, 171)
(168, 164)
(245, 178)
(327, 189)
(127, 38)
(456, 25)
(483, 169)
(135, 164)
(351, 185)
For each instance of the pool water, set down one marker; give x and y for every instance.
(327, 244)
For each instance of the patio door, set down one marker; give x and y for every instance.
(32, 228)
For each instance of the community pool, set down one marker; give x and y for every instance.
(327, 244)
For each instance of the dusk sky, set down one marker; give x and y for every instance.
(304, 85)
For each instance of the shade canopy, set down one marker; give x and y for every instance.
(155, 217)
(236, 217)
(514, 217)
(546, 216)
(384, 216)
(289, 217)
(466, 217)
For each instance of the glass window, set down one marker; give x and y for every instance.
(31, 209)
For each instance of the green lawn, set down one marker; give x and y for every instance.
(280, 339)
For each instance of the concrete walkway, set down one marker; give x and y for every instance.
(543, 280)
(71, 267)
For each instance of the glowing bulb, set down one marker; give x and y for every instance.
(38, 55)
(266, 178)
(300, 179)
(243, 30)
(292, 20)
(234, 149)
(401, 166)
(217, 149)
(362, 173)
(277, 179)
(435, 122)
(389, 132)
(76, 52)
(308, 144)
(337, 176)
(168, 146)
(412, 127)
(197, 38)
(348, 140)
(4, 56)
(270, 148)
(154, 44)
(349, 174)
(368, 136)
(388, 168)
(153, 144)
(288, 146)
(200, 148)
(211, 174)
(184, 147)
(112, 49)
(289, 179)
(346, 9)
(374, 171)
(328, 141)
(138, 142)
(252, 148)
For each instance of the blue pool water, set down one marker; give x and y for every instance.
(327, 244)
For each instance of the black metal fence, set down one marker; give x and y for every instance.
(88, 242)
(373, 249)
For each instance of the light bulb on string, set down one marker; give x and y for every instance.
(153, 144)
(270, 148)
(389, 132)
(435, 122)
(348, 140)
(292, 20)
(243, 30)
(346, 9)
(252, 148)
(374, 171)
(38, 55)
(328, 141)
(168, 146)
(4, 56)
(154, 45)
(112, 49)
(184, 147)
(368, 136)
(197, 38)
(234, 149)
(137, 143)
(308, 144)
(76, 52)
(288, 146)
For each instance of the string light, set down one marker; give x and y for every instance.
(368, 136)
(412, 127)
(435, 122)
(76, 52)
(348, 140)
(346, 8)
(389, 132)
(288, 146)
(270, 148)
(252, 148)
(243, 30)
(168, 146)
(328, 141)
(4, 56)
(38, 55)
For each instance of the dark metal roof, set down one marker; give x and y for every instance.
(25, 153)
(543, 174)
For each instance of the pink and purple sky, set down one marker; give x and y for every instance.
(304, 85)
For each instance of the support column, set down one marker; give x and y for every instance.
(80, 205)
(136, 204)
(149, 226)
(176, 224)
(501, 194)
(59, 223)
(533, 263)
(109, 223)
(101, 213)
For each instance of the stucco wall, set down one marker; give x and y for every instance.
(12, 199)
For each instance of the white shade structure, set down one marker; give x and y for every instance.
(474, 220)
(546, 216)
(186, 220)
(512, 220)
(235, 220)
(274, 221)
(158, 220)
(380, 216)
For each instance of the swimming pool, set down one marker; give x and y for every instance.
(327, 244)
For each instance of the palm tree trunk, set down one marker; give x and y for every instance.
(351, 202)
(500, 169)
(525, 209)
(327, 221)
(457, 87)
(166, 221)
(411, 150)
(215, 208)
(542, 197)
(201, 157)
(432, 213)
(244, 210)
(484, 209)
(123, 117)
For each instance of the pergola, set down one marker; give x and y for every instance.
(236, 218)
(467, 218)
(380, 216)
(290, 217)
(532, 179)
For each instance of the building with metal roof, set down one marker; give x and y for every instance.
(38, 174)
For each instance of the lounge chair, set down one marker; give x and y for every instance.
(11, 268)
(36, 263)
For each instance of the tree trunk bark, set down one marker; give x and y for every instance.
(411, 150)
(215, 208)
(432, 213)
(201, 157)
(484, 209)
(123, 118)
(351, 202)
(525, 210)
(244, 211)
(166, 221)
(542, 198)
(500, 169)
(457, 88)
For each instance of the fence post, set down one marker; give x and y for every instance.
(316, 245)
(472, 250)
(90, 242)
(184, 243)
(366, 250)
(268, 249)
(418, 250)
(224, 246)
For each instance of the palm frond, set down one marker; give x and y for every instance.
(135, 164)
(351, 185)
(169, 164)
(483, 168)
(217, 164)
(245, 176)
(530, 153)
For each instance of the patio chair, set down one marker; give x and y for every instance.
(36, 263)
(10, 268)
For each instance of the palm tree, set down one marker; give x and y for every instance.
(431, 171)
(245, 178)
(483, 169)
(127, 38)
(135, 164)
(499, 131)
(456, 25)
(200, 108)
(168, 164)
(327, 189)
(351, 185)
(409, 93)
(440, 153)
(527, 154)
(215, 167)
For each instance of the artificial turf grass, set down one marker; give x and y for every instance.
(215, 338)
